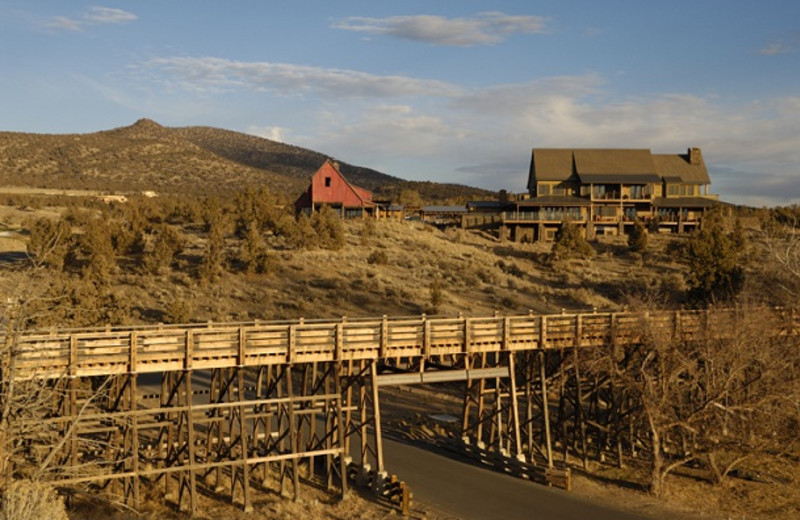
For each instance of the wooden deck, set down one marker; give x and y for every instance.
(110, 351)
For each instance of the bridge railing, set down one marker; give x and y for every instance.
(155, 349)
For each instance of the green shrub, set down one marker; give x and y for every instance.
(637, 240)
(168, 243)
(328, 225)
(97, 250)
(49, 242)
(213, 264)
(715, 273)
(303, 235)
(571, 243)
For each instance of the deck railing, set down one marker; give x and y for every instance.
(90, 352)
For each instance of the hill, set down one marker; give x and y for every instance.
(199, 159)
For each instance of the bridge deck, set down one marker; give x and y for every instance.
(109, 351)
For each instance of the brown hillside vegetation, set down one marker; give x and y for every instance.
(178, 259)
(199, 160)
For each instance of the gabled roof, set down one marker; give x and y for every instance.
(598, 165)
(551, 164)
(613, 162)
(672, 166)
(339, 191)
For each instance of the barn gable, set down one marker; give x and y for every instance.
(329, 187)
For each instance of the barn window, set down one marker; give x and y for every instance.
(327, 182)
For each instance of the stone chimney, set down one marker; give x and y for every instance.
(695, 157)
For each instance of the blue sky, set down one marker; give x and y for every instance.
(427, 90)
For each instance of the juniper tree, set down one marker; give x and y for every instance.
(715, 273)
(328, 225)
(49, 242)
(637, 240)
(213, 263)
(98, 253)
(304, 236)
(570, 242)
(253, 252)
(167, 244)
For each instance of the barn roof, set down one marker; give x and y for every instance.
(329, 186)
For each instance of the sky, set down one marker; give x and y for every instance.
(446, 91)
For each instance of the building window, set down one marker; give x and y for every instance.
(327, 182)
(544, 189)
(672, 190)
(601, 192)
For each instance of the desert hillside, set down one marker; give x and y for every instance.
(198, 160)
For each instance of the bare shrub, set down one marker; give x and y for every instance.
(31, 500)
(378, 257)
(436, 291)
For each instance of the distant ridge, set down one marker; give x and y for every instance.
(197, 159)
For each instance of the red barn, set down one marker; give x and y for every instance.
(329, 188)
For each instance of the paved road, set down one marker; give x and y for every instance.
(470, 492)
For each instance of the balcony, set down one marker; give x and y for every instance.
(541, 216)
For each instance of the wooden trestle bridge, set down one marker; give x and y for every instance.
(228, 406)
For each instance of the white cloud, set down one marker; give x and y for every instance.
(210, 74)
(788, 45)
(388, 131)
(273, 133)
(62, 23)
(428, 129)
(482, 29)
(103, 15)
(95, 15)
(774, 48)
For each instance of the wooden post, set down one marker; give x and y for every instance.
(133, 405)
(514, 406)
(73, 398)
(189, 353)
(384, 337)
(542, 332)
(580, 422)
(545, 407)
(376, 412)
(342, 403)
(243, 444)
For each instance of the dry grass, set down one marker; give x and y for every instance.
(479, 275)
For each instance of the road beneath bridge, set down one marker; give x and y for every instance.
(462, 488)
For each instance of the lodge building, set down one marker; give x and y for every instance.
(604, 191)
